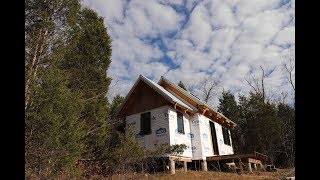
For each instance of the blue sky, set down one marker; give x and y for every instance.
(189, 40)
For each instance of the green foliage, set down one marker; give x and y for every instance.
(116, 102)
(261, 125)
(125, 153)
(53, 130)
(180, 84)
(229, 107)
(87, 59)
(68, 52)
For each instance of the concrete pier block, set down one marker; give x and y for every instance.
(185, 167)
(172, 166)
(204, 166)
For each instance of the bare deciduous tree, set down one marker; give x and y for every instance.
(33, 63)
(209, 89)
(289, 66)
(257, 84)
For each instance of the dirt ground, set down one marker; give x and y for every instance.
(205, 175)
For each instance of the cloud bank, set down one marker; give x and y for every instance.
(191, 40)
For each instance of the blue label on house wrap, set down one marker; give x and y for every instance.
(205, 136)
(193, 148)
(220, 141)
(190, 135)
(161, 131)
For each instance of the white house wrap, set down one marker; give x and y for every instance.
(163, 101)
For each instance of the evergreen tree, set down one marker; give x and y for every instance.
(87, 59)
(229, 107)
(52, 128)
(116, 102)
(180, 84)
(262, 125)
(45, 23)
(53, 131)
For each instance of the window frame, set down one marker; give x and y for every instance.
(182, 119)
(144, 130)
(226, 132)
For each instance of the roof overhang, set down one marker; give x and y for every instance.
(204, 108)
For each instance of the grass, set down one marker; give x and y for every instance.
(181, 175)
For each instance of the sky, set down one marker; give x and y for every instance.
(190, 40)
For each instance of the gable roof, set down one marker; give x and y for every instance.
(159, 89)
(181, 98)
(197, 101)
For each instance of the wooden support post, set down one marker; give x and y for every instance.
(219, 166)
(185, 167)
(255, 166)
(172, 166)
(240, 164)
(249, 168)
(204, 165)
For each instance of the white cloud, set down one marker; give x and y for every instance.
(198, 29)
(224, 39)
(222, 14)
(172, 2)
(285, 36)
(110, 9)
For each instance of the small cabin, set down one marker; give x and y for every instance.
(164, 113)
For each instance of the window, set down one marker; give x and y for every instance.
(180, 122)
(145, 123)
(226, 136)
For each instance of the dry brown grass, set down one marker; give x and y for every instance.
(180, 175)
(190, 175)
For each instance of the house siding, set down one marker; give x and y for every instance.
(179, 138)
(197, 134)
(159, 128)
(223, 148)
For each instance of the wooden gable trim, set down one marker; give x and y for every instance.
(203, 109)
(179, 93)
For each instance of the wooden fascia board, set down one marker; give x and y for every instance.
(165, 84)
(192, 100)
(165, 96)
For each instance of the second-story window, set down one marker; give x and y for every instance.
(180, 122)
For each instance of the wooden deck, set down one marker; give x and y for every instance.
(243, 160)
(253, 156)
